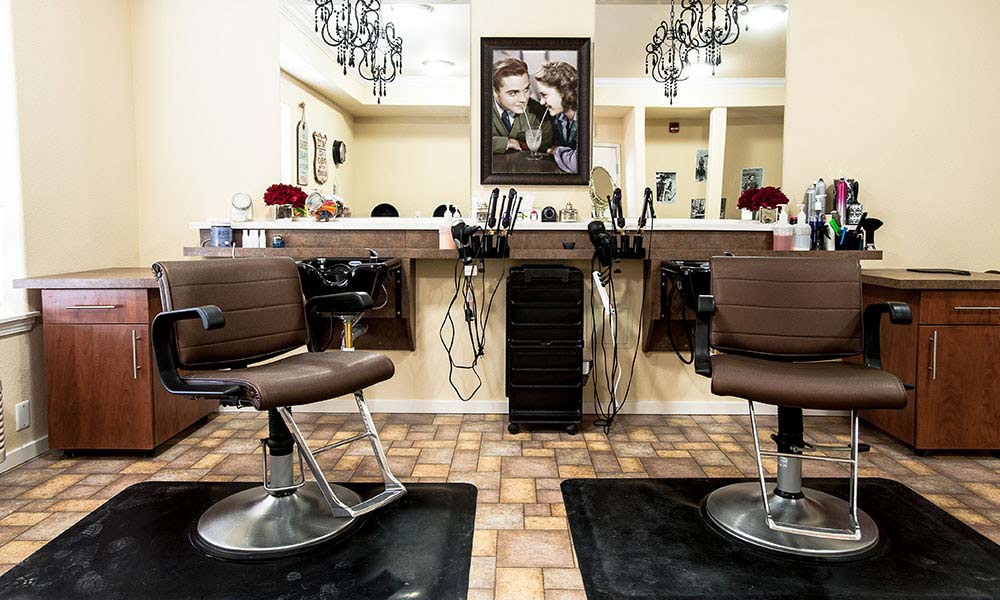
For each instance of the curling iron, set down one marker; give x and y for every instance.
(491, 220)
(505, 220)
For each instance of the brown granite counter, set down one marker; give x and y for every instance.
(905, 280)
(114, 278)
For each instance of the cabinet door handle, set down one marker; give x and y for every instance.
(934, 345)
(977, 308)
(92, 307)
(135, 356)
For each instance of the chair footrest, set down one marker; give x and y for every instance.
(376, 502)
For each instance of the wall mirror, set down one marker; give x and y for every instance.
(402, 148)
(717, 134)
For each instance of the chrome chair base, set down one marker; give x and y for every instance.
(254, 524)
(738, 511)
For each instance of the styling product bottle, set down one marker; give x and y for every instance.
(250, 238)
(261, 238)
(816, 220)
(782, 231)
(802, 232)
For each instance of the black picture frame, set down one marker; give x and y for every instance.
(582, 46)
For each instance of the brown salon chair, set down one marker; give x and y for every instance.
(225, 325)
(778, 325)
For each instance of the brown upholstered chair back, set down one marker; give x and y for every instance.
(261, 299)
(787, 308)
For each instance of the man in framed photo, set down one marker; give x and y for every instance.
(514, 110)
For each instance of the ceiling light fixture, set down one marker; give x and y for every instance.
(438, 66)
(766, 16)
(406, 9)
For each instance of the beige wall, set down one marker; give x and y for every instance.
(326, 118)
(207, 113)
(410, 162)
(667, 151)
(77, 130)
(751, 145)
(933, 180)
(23, 374)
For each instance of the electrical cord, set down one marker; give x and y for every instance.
(476, 316)
(684, 323)
(606, 414)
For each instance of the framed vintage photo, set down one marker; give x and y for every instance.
(535, 111)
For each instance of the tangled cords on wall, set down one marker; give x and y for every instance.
(604, 277)
(469, 265)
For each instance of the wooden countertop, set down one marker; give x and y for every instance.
(114, 278)
(906, 280)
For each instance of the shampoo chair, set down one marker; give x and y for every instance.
(777, 323)
(223, 319)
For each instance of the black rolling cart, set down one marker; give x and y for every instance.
(545, 346)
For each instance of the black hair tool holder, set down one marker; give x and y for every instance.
(850, 240)
(495, 246)
(629, 245)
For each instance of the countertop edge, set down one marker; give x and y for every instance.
(957, 283)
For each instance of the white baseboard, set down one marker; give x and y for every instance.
(24, 453)
(635, 407)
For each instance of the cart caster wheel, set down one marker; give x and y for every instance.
(69, 454)
(573, 429)
(514, 428)
(921, 453)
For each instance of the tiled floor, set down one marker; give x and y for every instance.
(522, 547)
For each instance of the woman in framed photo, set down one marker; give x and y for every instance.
(558, 83)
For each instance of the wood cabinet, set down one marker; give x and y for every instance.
(951, 354)
(102, 388)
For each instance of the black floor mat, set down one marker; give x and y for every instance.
(137, 546)
(646, 538)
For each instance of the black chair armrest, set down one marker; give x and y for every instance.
(702, 348)
(899, 314)
(347, 303)
(164, 343)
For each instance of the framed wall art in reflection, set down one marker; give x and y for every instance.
(535, 111)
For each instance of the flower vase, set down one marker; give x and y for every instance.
(283, 212)
(766, 216)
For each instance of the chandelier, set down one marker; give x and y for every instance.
(666, 56)
(355, 29)
(700, 31)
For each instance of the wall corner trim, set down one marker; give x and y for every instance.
(17, 324)
(25, 453)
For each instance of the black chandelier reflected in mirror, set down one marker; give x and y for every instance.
(356, 30)
(698, 34)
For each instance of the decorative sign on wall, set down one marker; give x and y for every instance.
(302, 141)
(751, 179)
(666, 187)
(701, 166)
(321, 169)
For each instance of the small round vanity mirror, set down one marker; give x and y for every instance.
(602, 186)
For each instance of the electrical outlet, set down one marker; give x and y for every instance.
(22, 415)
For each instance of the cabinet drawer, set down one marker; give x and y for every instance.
(95, 306)
(939, 307)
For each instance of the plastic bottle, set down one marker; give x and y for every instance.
(250, 238)
(782, 231)
(816, 220)
(802, 232)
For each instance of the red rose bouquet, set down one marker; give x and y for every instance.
(758, 198)
(282, 194)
